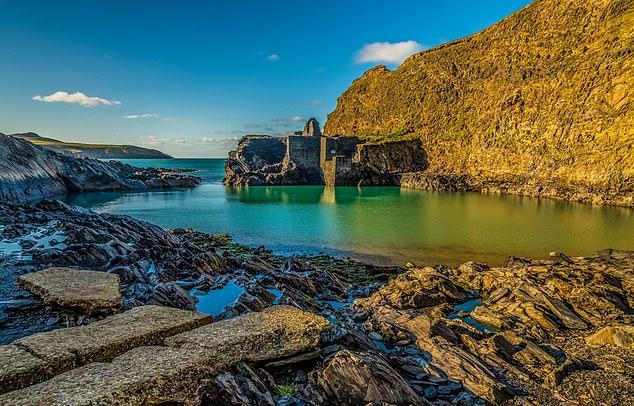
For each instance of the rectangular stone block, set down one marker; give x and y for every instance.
(50, 353)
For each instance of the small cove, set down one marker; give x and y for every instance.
(385, 224)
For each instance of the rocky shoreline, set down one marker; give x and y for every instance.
(614, 195)
(546, 331)
(29, 172)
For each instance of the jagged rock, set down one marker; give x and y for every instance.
(359, 378)
(312, 128)
(477, 105)
(29, 172)
(88, 292)
(537, 315)
(618, 335)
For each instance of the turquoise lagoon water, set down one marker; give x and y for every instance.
(383, 223)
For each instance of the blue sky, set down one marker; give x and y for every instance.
(191, 77)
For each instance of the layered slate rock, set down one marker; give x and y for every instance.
(29, 172)
(182, 371)
(44, 355)
(355, 379)
(535, 329)
(88, 292)
(539, 104)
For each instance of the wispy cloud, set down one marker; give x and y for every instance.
(391, 53)
(297, 119)
(273, 58)
(153, 140)
(77, 97)
(137, 116)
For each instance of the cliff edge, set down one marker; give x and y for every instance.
(538, 104)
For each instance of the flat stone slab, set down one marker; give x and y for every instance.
(275, 332)
(19, 368)
(182, 371)
(89, 292)
(103, 340)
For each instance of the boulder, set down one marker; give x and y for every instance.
(619, 335)
(88, 292)
(360, 378)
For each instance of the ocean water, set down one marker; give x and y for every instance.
(385, 224)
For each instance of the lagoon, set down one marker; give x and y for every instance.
(383, 224)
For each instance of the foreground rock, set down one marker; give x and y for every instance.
(89, 292)
(542, 331)
(524, 329)
(29, 172)
(41, 356)
(182, 370)
(308, 158)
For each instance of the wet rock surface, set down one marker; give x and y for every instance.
(29, 172)
(533, 331)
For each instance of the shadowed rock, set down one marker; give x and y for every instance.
(89, 292)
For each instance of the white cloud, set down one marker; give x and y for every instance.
(315, 103)
(297, 118)
(77, 97)
(153, 140)
(392, 53)
(136, 116)
(273, 58)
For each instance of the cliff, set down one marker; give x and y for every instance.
(98, 151)
(538, 104)
(29, 172)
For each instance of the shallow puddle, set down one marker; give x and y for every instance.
(215, 301)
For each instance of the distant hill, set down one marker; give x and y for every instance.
(99, 151)
(542, 100)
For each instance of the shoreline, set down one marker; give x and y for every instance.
(373, 311)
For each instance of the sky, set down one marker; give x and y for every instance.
(190, 78)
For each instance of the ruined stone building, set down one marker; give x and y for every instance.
(310, 158)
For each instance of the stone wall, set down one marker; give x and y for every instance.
(304, 151)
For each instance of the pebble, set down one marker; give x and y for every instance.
(430, 393)
(375, 336)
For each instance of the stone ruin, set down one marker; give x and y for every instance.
(308, 157)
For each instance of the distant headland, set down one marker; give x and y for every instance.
(98, 151)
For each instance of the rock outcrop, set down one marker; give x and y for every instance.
(547, 331)
(518, 330)
(539, 104)
(29, 172)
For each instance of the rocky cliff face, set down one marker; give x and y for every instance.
(538, 104)
(29, 172)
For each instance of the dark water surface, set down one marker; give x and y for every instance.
(387, 222)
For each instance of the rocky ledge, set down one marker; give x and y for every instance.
(29, 172)
(551, 331)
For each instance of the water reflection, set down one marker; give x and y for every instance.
(399, 224)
